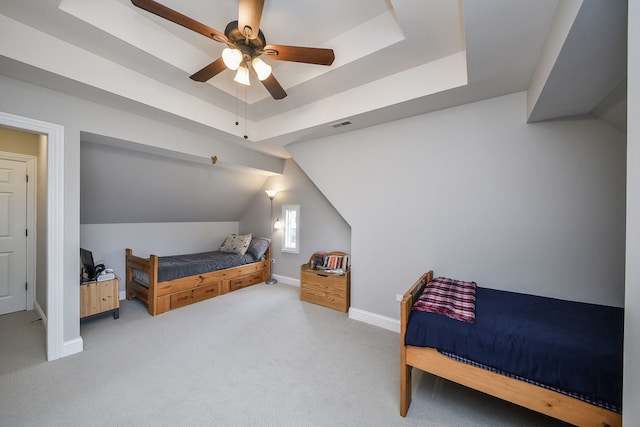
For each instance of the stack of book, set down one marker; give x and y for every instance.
(330, 263)
(337, 262)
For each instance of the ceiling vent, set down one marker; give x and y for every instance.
(339, 125)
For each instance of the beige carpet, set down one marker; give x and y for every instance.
(254, 357)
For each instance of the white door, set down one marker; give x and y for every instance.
(13, 239)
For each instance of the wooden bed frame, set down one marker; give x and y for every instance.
(551, 403)
(164, 296)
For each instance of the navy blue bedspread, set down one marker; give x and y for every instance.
(568, 345)
(177, 266)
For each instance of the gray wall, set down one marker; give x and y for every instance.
(321, 226)
(631, 388)
(475, 193)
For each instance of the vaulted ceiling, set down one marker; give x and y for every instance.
(394, 59)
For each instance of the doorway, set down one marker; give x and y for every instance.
(53, 319)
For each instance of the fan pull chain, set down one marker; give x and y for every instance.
(237, 123)
(245, 113)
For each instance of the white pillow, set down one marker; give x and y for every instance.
(236, 243)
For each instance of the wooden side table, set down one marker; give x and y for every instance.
(325, 289)
(100, 297)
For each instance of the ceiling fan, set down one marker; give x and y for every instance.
(245, 44)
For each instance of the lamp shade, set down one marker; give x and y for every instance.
(232, 58)
(271, 193)
(278, 224)
(242, 76)
(262, 69)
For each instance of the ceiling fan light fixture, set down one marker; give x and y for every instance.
(244, 41)
(242, 76)
(262, 69)
(232, 58)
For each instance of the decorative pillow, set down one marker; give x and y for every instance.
(453, 298)
(258, 247)
(236, 243)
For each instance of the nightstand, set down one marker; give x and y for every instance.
(100, 297)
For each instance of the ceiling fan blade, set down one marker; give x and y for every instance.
(274, 88)
(249, 15)
(209, 71)
(178, 18)
(307, 55)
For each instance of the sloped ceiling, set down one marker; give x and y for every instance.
(394, 59)
(118, 185)
(586, 53)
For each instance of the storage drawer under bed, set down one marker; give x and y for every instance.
(244, 281)
(180, 299)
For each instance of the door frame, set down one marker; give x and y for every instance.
(30, 162)
(54, 321)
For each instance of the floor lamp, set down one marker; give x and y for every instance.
(271, 194)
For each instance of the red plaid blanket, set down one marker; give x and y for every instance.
(453, 298)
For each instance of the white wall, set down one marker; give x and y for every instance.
(109, 241)
(475, 193)
(631, 387)
(321, 226)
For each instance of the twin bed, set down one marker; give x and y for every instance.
(168, 282)
(560, 358)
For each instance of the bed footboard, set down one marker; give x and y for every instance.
(134, 289)
(405, 309)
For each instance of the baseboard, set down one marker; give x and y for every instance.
(43, 317)
(287, 280)
(354, 313)
(375, 319)
(72, 347)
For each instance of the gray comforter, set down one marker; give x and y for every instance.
(177, 266)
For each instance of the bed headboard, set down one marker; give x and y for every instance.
(409, 298)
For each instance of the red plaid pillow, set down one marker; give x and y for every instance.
(453, 298)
